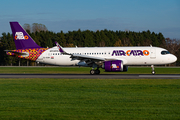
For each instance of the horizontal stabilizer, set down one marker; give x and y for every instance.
(24, 54)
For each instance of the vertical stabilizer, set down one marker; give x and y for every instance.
(21, 37)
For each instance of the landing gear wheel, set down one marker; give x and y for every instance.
(97, 72)
(92, 72)
(153, 72)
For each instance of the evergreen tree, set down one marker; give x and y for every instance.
(49, 43)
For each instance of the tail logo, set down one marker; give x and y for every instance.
(20, 36)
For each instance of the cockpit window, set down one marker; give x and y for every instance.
(165, 52)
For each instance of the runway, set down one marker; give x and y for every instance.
(88, 76)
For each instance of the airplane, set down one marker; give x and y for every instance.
(112, 59)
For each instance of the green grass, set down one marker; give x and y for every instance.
(89, 99)
(85, 70)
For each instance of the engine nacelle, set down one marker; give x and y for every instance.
(114, 66)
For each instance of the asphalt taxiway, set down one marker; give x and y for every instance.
(88, 76)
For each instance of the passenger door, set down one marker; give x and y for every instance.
(153, 53)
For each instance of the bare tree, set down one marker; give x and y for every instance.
(38, 27)
(172, 45)
(147, 42)
(118, 43)
(102, 44)
(126, 42)
(27, 27)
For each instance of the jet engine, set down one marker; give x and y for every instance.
(114, 66)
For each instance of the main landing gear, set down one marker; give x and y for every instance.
(95, 72)
(153, 71)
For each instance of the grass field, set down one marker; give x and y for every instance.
(85, 70)
(86, 98)
(89, 99)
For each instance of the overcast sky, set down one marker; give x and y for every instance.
(68, 15)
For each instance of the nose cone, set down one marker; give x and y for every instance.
(173, 58)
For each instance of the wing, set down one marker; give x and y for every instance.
(81, 57)
(88, 59)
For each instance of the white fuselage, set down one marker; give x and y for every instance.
(129, 55)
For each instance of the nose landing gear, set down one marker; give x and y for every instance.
(153, 71)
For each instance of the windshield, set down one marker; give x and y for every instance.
(165, 52)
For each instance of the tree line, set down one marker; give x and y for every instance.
(86, 38)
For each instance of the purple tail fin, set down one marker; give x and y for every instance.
(21, 37)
